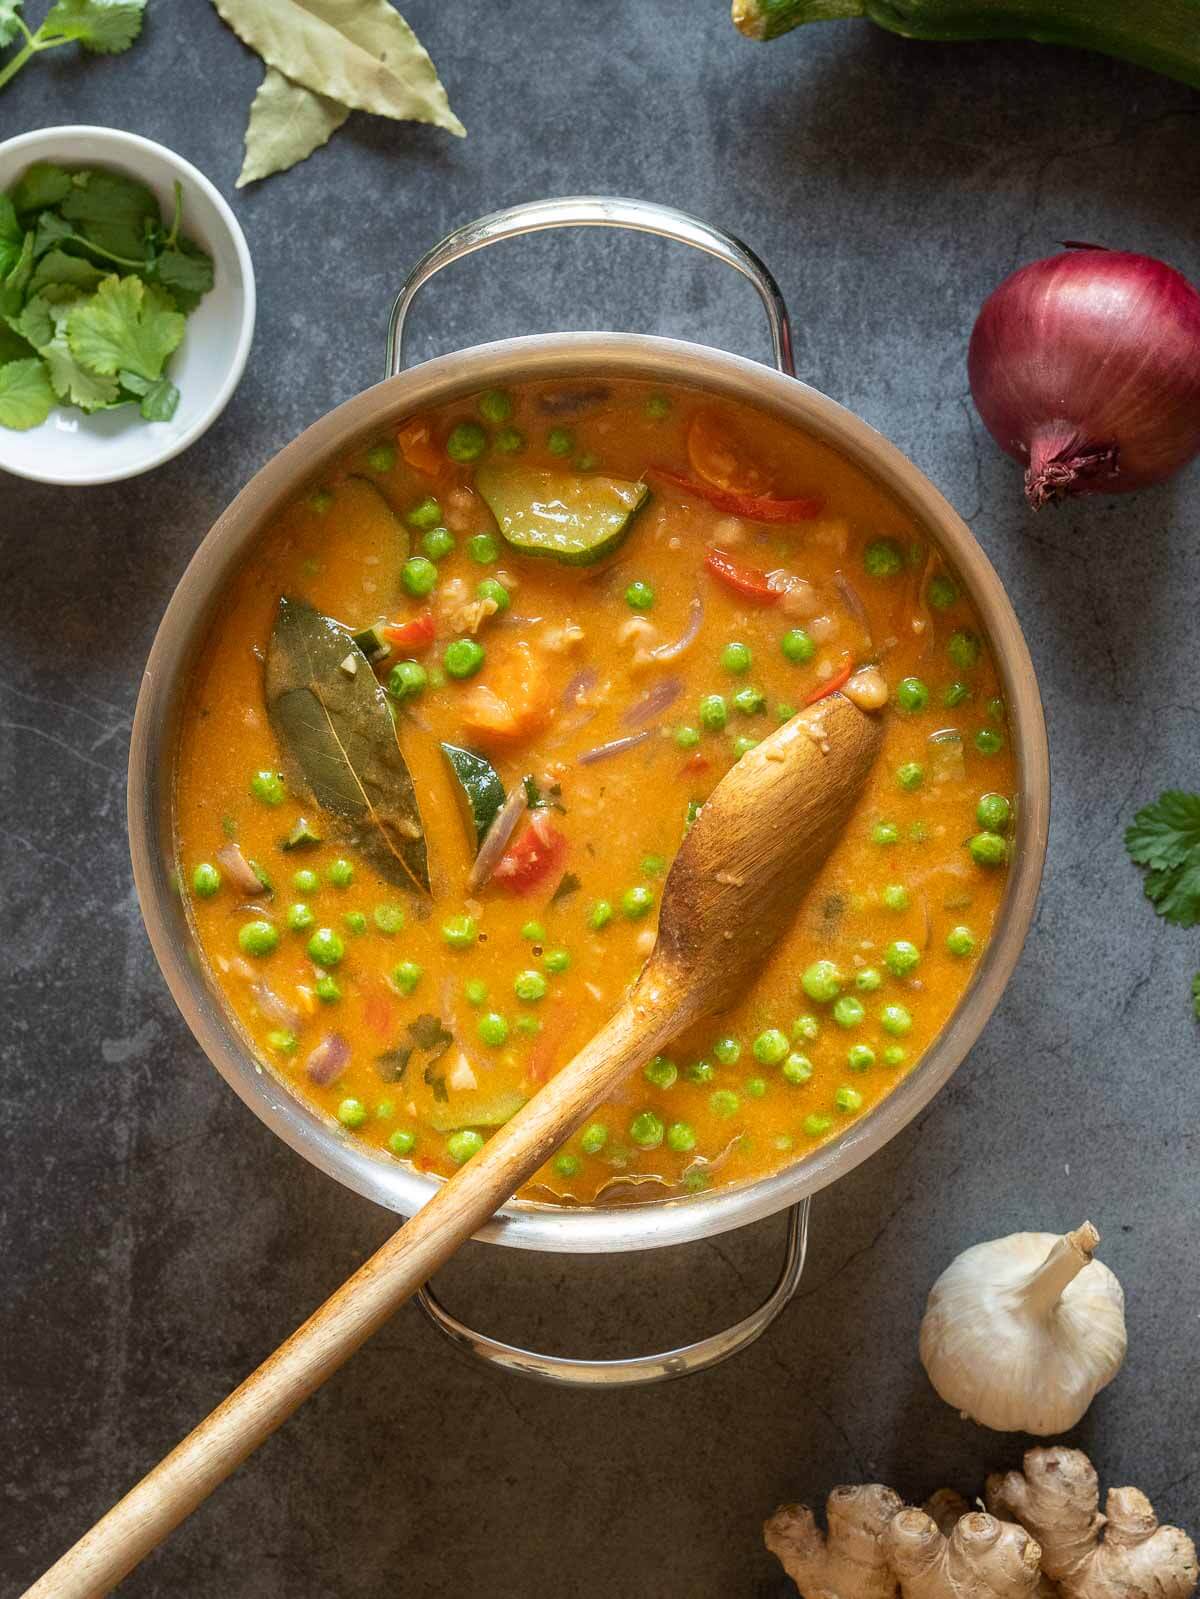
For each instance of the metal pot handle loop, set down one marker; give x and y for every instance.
(634, 1370)
(594, 211)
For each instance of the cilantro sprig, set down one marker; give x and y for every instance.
(94, 290)
(1165, 838)
(105, 27)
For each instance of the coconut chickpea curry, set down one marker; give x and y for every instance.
(454, 719)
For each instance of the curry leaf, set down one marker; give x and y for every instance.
(364, 55)
(287, 123)
(425, 1036)
(26, 398)
(335, 731)
(124, 324)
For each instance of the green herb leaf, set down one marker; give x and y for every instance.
(124, 324)
(9, 26)
(364, 56)
(58, 269)
(73, 382)
(568, 884)
(13, 287)
(12, 346)
(186, 273)
(287, 123)
(425, 1036)
(1167, 832)
(105, 26)
(41, 185)
(1175, 892)
(51, 230)
(112, 211)
(12, 236)
(26, 398)
(160, 401)
(336, 733)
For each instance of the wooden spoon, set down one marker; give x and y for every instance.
(735, 886)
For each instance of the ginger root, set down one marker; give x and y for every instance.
(848, 1563)
(1057, 1499)
(980, 1556)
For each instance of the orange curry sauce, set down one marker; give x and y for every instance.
(901, 910)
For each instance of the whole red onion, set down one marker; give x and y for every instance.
(1086, 368)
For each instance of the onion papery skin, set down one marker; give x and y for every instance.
(1085, 367)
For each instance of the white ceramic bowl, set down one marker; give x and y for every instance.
(73, 449)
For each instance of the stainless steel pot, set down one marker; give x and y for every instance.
(523, 1224)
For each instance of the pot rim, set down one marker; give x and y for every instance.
(185, 624)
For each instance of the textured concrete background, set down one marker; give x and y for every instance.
(157, 1241)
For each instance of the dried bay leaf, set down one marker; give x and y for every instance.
(287, 123)
(360, 53)
(336, 734)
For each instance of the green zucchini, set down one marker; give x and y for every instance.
(480, 1108)
(372, 515)
(1163, 35)
(480, 788)
(564, 515)
(373, 644)
(302, 836)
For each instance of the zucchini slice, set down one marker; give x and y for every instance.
(376, 525)
(480, 788)
(481, 1108)
(570, 517)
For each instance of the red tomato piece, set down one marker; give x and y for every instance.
(754, 507)
(747, 581)
(415, 635)
(538, 853)
(841, 676)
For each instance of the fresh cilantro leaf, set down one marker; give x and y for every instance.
(9, 26)
(51, 230)
(160, 401)
(12, 287)
(56, 267)
(124, 324)
(26, 398)
(1167, 832)
(35, 322)
(112, 212)
(12, 346)
(185, 272)
(40, 185)
(73, 382)
(105, 26)
(12, 234)
(1175, 892)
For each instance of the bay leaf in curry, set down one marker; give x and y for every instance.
(335, 731)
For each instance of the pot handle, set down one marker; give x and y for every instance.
(594, 211)
(633, 1371)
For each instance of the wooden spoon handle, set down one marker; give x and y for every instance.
(173, 1489)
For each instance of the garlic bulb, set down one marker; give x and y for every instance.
(1021, 1333)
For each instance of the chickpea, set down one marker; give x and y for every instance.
(867, 689)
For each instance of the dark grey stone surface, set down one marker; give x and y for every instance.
(157, 1241)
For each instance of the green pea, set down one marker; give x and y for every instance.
(895, 897)
(560, 441)
(700, 1071)
(477, 991)
(796, 1069)
(356, 922)
(557, 960)
(381, 457)
(910, 776)
(299, 916)
(402, 1142)
(713, 713)
(755, 1087)
(770, 1047)
(600, 914)
(637, 902)
(822, 981)
(509, 441)
(860, 1057)
(492, 1029)
(327, 990)
(848, 1099)
(437, 543)
(988, 849)
(885, 833)
(868, 979)
(406, 976)
(268, 787)
(955, 694)
(325, 948)
(911, 695)
(489, 589)
(661, 1072)
(681, 1137)
(206, 880)
(284, 1042)
(593, 1138)
(467, 442)
(483, 549)
(460, 932)
(817, 1124)
(895, 1055)
(743, 746)
(566, 1164)
(406, 680)
(495, 405)
(657, 407)
(942, 592)
(687, 737)
(964, 649)
(653, 865)
(257, 938)
(728, 1050)
(901, 957)
(639, 596)
(646, 1130)
(425, 513)
(529, 985)
(784, 712)
(306, 881)
(341, 873)
(883, 558)
(750, 701)
(388, 919)
(797, 646)
(352, 1113)
(988, 741)
(462, 1145)
(895, 1019)
(848, 1011)
(463, 657)
(960, 941)
(736, 658)
(995, 709)
(993, 813)
(419, 576)
(724, 1102)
